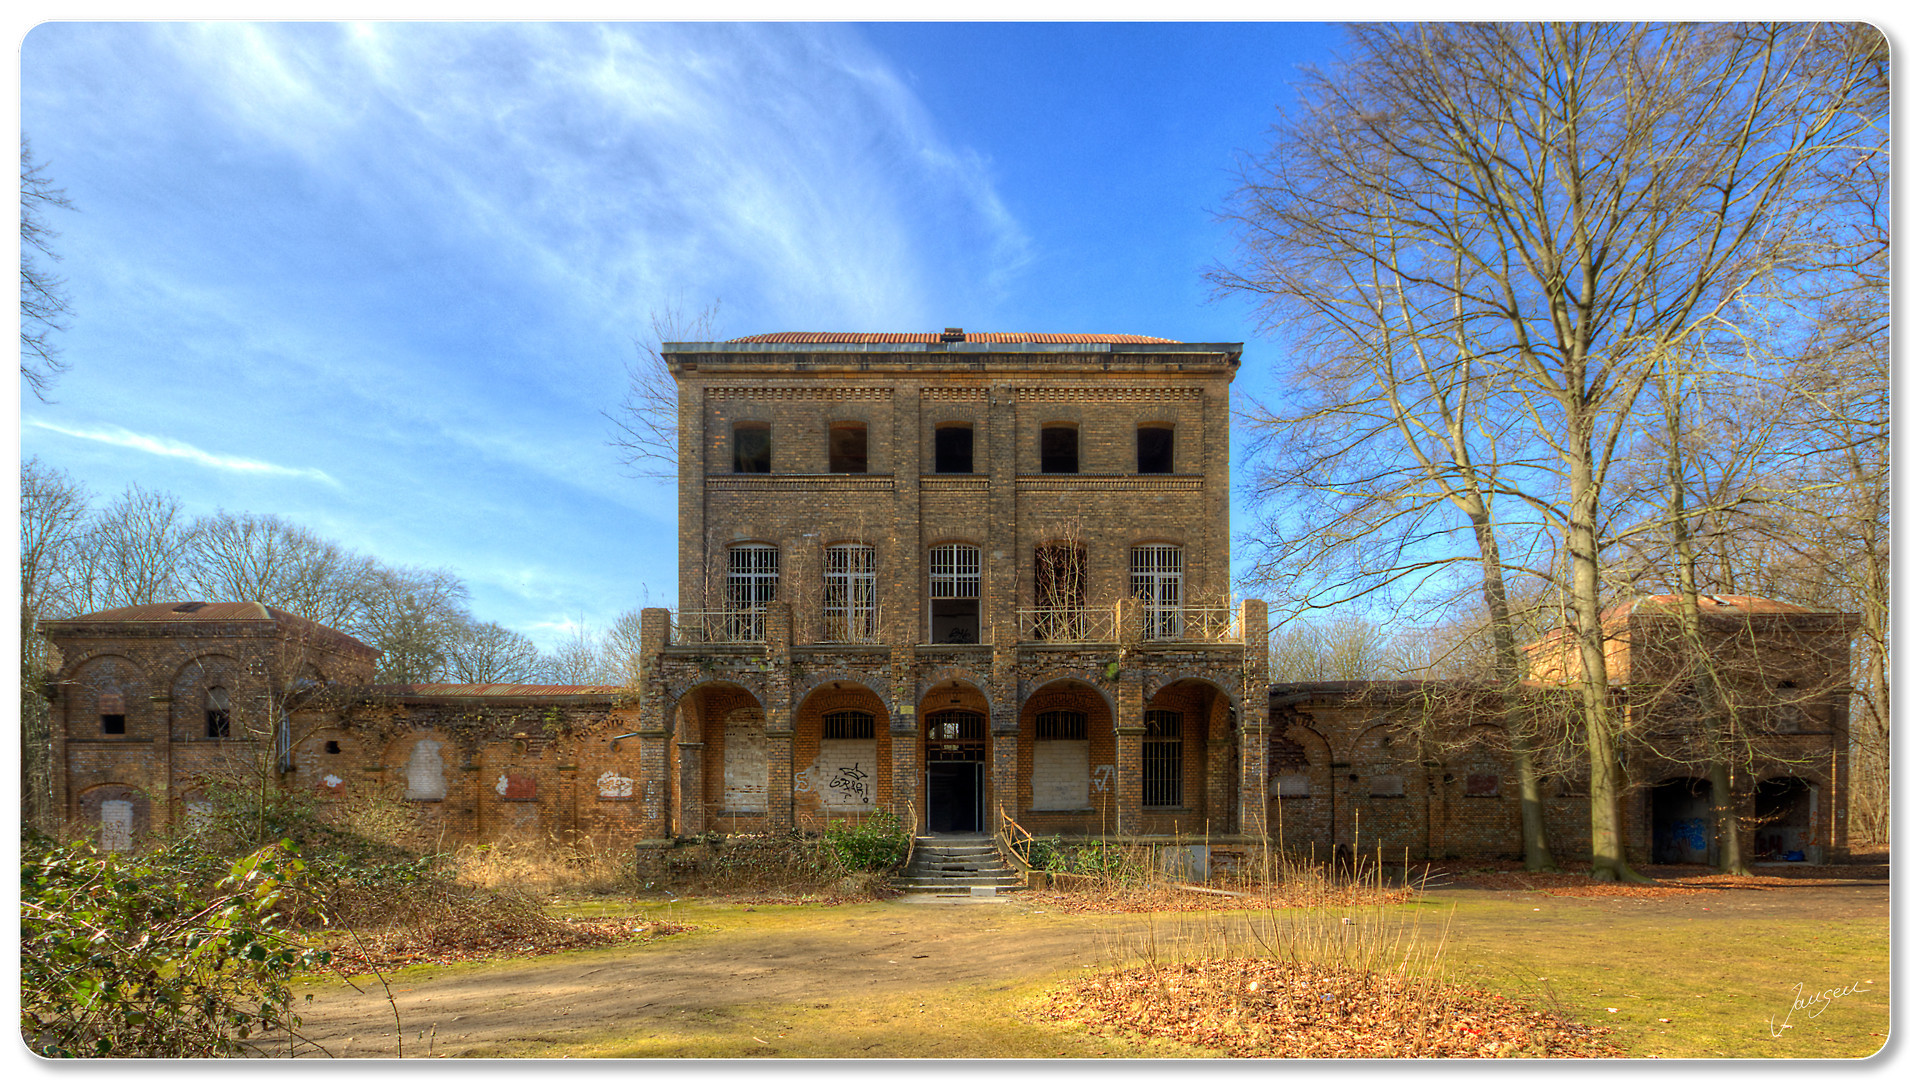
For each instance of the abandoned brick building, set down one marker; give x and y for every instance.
(967, 578)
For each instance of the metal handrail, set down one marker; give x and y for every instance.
(737, 626)
(1017, 849)
(1209, 624)
(1069, 625)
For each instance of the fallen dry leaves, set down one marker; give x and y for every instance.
(1166, 897)
(1268, 1008)
(393, 947)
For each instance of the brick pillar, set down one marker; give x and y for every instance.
(689, 765)
(905, 745)
(779, 718)
(1438, 840)
(653, 764)
(1130, 725)
(1004, 724)
(1251, 714)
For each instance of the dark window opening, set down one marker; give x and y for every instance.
(954, 589)
(1482, 785)
(955, 449)
(752, 447)
(218, 713)
(1161, 759)
(112, 723)
(1061, 724)
(848, 448)
(1154, 449)
(1060, 449)
(849, 724)
(331, 747)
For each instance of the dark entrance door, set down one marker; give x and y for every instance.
(956, 750)
(1681, 822)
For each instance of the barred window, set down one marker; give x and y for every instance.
(954, 590)
(1061, 724)
(1161, 759)
(1155, 580)
(848, 724)
(752, 585)
(848, 593)
(218, 713)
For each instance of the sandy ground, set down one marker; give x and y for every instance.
(816, 958)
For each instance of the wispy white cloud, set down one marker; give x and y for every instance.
(164, 447)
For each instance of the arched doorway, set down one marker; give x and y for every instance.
(955, 759)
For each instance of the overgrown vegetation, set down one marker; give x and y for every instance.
(174, 952)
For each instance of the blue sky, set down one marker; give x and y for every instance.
(380, 279)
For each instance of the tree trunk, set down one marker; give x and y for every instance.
(1505, 654)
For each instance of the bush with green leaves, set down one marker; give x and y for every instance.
(158, 954)
(877, 842)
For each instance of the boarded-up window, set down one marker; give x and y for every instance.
(847, 771)
(1292, 786)
(517, 786)
(199, 815)
(116, 825)
(424, 773)
(1482, 785)
(745, 762)
(1389, 786)
(612, 786)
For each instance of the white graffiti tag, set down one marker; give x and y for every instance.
(1102, 774)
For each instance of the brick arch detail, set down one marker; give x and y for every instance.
(1030, 687)
(874, 684)
(1156, 681)
(977, 682)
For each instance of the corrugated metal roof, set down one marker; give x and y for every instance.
(494, 690)
(805, 337)
(198, 611)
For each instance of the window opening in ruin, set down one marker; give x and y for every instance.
(1060, 449)
(1154, 449)
(1161, 759)
(751, 443)
(954, 590)
(848, 594)
(1482, 785)
(751, 587)
(1061, 724)
(1155, 581)
(331, 747)
(955, 448)
(1060, 592)
(956, 735)
(218, 713)
(848, 724)
(112, 713)
(848, 447)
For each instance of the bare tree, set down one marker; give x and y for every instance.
(44, 305)
(1572, 201)
(489, 653)
(53, 509)
(414, 616)
(133, 552)
(581, 660)
(268, 560)
(645, 423)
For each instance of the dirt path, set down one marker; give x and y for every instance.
(749, 963)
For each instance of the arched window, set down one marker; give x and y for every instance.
(1155, 580)
(753, 572)
(218, 713)
(750, 441)
(848, 594)
(954, 594)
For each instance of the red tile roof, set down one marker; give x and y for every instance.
(1708, 604)
(803, 337)
(196, 611)
(494, 690)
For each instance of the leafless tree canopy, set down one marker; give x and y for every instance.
(644, 423)
(43, 301)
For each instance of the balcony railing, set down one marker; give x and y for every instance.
(1209, 624)
(1068, 625)
(743, 626)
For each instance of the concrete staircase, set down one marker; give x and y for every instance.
(956, 866)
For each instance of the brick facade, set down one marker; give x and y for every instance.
(1072, 661)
